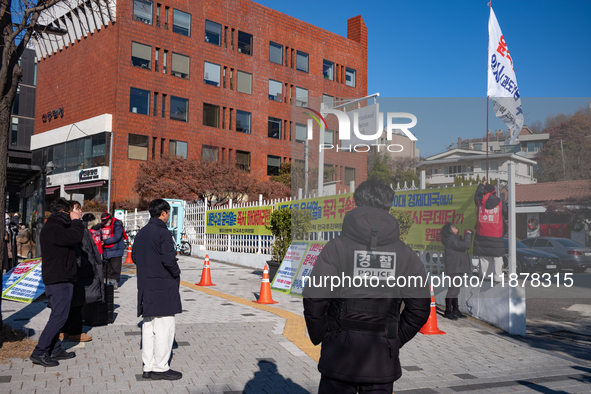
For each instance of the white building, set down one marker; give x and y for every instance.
(443, 168)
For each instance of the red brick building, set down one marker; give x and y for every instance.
(205, 80)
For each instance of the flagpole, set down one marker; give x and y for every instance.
(487, 138)
(489, 8)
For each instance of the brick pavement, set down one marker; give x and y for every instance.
(227, 344)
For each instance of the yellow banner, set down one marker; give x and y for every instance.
(431, 209)
(327, 212)
(247, 221)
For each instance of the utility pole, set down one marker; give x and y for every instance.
(563, 167)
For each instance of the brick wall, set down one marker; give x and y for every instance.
(94, 76)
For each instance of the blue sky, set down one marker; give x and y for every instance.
(426, 49)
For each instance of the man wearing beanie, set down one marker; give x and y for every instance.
(113, 235)
(488, 240)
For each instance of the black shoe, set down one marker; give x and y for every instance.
(168, 375)
(147, 375)
(459, 315)
(450, 315)
(63, 355)
(44, 359)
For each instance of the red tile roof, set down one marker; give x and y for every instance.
(553, 191)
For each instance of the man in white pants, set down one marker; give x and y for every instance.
(158, 279)
(488, 241)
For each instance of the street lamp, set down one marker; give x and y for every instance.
(45, 170)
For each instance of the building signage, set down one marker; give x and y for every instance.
(89, 174)
(53, 114)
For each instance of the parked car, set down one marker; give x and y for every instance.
(531, 260)
(572, 254)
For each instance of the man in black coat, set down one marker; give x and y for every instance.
(360, 327)
(158, 299)
(457, 264)
(488, 240)
(59, 237)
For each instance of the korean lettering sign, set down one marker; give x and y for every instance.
(247, 221)
(23, 283)
(327, 212)
(431, 209)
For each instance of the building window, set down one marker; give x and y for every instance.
(209, 153)
(244, 43)
(454, 169)
(243, 160)
(534, 146)
(328, 70)
(212, 74)
(273, 165)
(274, 128)
(302, 61)
(275, 90)
(213, 32)
(181, 23)
(16, 103)
(301, 132)
(137, 148)
(14, 132)
(142, 11)
(243, 121)
(211, 115)
(180, 65)
(179, 108)
(350, 77)
(301, 97)
(141, 55)
(177, 148)
(139, 101)
(275, 53)
(349, 175)
(164, 62)
(329, 137)
(328, 100)
(244, 84)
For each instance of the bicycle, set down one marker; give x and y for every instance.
(184, 247)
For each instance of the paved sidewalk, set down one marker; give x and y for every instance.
(227, 344)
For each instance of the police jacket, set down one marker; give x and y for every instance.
(485, 245)
(361, 328)
(158, 274)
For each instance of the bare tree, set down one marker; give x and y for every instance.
(19, 21)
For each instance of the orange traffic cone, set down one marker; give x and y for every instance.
(205, 275)
(265, 295)
(128, 259)
(430, 328)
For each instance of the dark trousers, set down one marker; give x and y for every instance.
(113, 268)
(332, 386)
(60, 298)
(73, 325)
(451, 299)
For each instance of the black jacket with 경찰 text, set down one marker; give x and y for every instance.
(58, 239)
(158, 274)
(361, 329)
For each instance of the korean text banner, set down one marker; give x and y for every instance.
(431, 209)
(502, 83)
(23, 283)
(247, 221)
(327, 212)
(298, 262)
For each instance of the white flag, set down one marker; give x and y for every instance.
(502, 84)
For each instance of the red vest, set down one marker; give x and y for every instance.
(96, 236)
(489, 223)
(108, 233)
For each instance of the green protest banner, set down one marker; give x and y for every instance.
(247, 221)
(327, 212)
(431, 209)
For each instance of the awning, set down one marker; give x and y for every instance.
(50, 190)
(84, 185)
